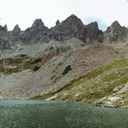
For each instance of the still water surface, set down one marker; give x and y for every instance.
(56, 114)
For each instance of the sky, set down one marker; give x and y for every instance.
(24, 12)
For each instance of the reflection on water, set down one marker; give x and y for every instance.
(49, 114)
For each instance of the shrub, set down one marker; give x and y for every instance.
(66, 70)
(35, 68)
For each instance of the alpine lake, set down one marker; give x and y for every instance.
(59, 114)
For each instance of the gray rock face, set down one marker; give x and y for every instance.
(16, 34)
(57, 22)
(2, 29)
(5, 28)
(4, 44)
(36, 33)
(71, 27)
(3, 32)
(4, 37)
(16, 29)
(115, 33)
(37, 24)
(66, 29)
(90, 33)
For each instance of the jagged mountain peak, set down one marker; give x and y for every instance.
(73, 19)
(36, 33)
(72, 26)
(66, 29)
(72, 16)
(90, 33)
(5, 27)
(115, 24)
(57, 22)
(115, 33)
(38, 23)
(17, 28)
(93, 25)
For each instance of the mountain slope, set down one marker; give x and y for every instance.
(51, 76)
(70, 61)
(106, 86)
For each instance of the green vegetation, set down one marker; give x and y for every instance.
(12, 65)
(45, 96)
(66, 70)
(96, 84)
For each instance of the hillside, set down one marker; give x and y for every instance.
(50, 77)
(105, 86)
(70, 61)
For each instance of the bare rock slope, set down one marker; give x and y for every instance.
(51, 77)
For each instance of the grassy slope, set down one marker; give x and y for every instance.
(96, 84)
(12, 65)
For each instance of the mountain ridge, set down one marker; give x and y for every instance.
(70, 27)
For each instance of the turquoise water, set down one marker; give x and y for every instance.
(56, 114)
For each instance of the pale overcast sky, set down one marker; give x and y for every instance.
(24, 12)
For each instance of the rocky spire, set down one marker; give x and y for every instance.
(16, 29)
(115, 24)
(92, 31)
(57, 22)
(5, 27)
(36, 33)
(37, 24)
(89, 33)
(115, 33)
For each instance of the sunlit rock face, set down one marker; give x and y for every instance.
(115, 33)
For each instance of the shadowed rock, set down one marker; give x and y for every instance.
(57, 22)
(5, 28)
(89, 33)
